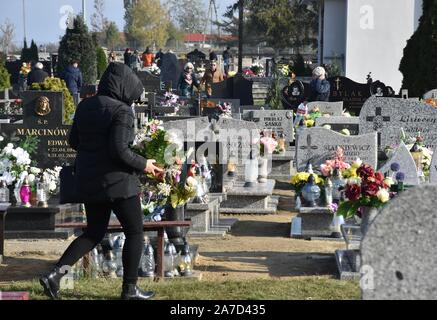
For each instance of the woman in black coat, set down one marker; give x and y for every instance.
(106, 174)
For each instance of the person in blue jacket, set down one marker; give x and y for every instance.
(74, 80)
(319, 87)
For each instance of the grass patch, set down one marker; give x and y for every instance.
(313, 288)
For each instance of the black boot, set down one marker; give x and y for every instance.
(51, 283)
(132, 292)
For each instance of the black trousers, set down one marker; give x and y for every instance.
(128, 212)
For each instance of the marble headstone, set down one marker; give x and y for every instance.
(279, 121)
(403, 157)
(339, 123)
(398, 253)
(331, 108)
(316, 145)
(387, 116)
(430, 94)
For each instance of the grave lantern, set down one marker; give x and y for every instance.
(281, 143)
(328, 192)
(338, 184)
(41, 193)
(148, 262)
(4, 192)
(251, 171)
(417, 154)
(25, 193)
(168, 261)
(311, 192)
(232, 166)
(185, 262)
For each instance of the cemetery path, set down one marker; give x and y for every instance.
(258, 247)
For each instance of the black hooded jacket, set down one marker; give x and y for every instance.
(102, 133)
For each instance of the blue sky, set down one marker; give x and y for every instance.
(43, 17)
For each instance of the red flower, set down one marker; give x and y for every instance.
(371, 189)
(353, 192)
(365, 172)
(377, 179)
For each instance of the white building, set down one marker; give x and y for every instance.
(368, 36)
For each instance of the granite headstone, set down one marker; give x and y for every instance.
(332, 108)
(43, 118)
(316, 145)
(278, 121)
(398, 253)
(403, 157)
(387, 116)
(340, 123)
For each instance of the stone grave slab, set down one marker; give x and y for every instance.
(334, 109)
(312, 223)
(338, 124)
(398, 253)
(253, 200)
(316, 145)
(387, 116)
(403, 157)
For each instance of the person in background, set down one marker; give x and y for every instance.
(212, 55)
(212, 75)
(135, 61)
(111, 57)
(73, 79)
(188, 81)
(24, 72)
(127, 57)
(106, 171)
(148, 58)
(158, 58)
(319, 86)
(227, 60)
(301, 112)
(37, 75)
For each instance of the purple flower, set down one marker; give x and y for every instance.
(400, 176)
(395, 167)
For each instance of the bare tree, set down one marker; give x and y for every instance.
(99, 23)
(8, 30)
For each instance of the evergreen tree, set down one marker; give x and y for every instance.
(102, 62)
(25, 52)
(5, 77)
(33, 52)
(77, 45)
(419, 64)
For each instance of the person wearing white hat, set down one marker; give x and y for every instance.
(319, 86)
(37, 75)
(188, 81)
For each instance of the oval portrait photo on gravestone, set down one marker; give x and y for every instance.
(42, 106)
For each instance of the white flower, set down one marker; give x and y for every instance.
(389, 181)
(357, 163)
(191, 182)
(31, 178)
(52, 186)
(23, 175)
(34, 170)
(352, 181)
(383, 195)
(1, 138)
(164, 189)
(8, 149)
(8, 177)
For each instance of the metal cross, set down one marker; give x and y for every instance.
(378, 122)
(338, 83)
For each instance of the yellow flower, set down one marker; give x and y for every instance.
(309, 123)
(383, 195)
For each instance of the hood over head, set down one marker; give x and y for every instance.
(121, 83)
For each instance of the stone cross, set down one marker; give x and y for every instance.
(378, 122)
(309, 147)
